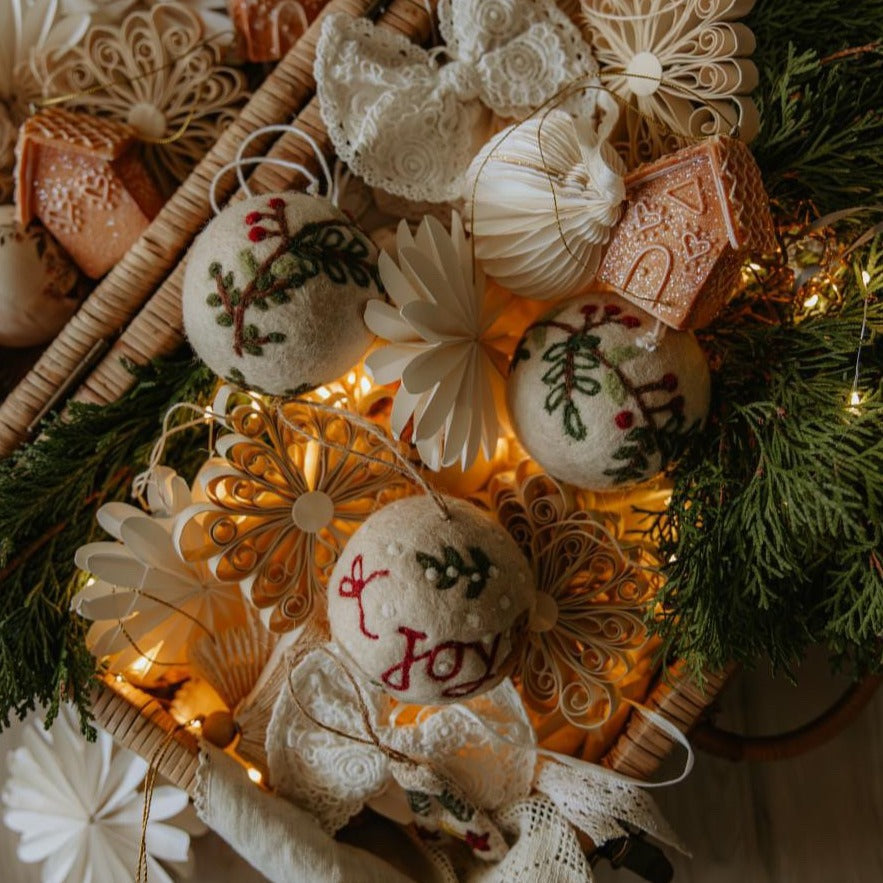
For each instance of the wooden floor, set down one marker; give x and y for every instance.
(817, 819)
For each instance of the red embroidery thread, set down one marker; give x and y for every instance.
(478, 842)
(359, 584)
(398, 676)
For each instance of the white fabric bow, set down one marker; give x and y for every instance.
(410, 124)
(471, 770)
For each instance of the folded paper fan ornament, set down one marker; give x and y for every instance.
(147, 604)
(598, 399)
(274, 292)
(430, 603)
(542, 197)
(280, 504)
(444, 344)
(79, 810)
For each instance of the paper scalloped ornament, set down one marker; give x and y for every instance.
(280, 505)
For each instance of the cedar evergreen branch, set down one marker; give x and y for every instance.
(49, 493)
(774, 533)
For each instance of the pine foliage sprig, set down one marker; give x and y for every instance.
(821, 102)
(49, 493)
(774, 534)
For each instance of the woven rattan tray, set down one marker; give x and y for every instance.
(135, 314)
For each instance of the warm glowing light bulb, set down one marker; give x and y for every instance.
(140, 665)
(866, 277)
(90, 581)
(196, 723)
(811, 301)
(365, 384)
(323, 392)
(119, 679)
(255, 775)
(855, 398)
(351, 377)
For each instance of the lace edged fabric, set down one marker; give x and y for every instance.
(409, 123)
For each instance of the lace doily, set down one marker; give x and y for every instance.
(334, 775)
(409, 124)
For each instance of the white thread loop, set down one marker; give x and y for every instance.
(332, 187)
(206, 415)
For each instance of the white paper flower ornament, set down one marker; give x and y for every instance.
(147, 603)
(443, 344)
(78, 809)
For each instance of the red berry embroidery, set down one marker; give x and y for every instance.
(252, 218)
(588, 309)
(477, 841)
(624, 419)
(669, 382)
(277, 203)
(630, 321)
(257, 234)
(612, 309)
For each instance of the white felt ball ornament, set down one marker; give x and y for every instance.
(542, 199)
(37, 282)
(597, 400)
(431, 610)
(274, 293)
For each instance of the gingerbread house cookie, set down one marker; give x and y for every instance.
(692, 219)
(82, 177)
(269, 28)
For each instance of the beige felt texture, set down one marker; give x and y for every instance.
(535, 387)
(324, 334)
(398, 592)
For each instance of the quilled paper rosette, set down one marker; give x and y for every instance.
(682, 67)
(588, 638)
(289, 485)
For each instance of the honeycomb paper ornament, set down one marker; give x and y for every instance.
(542, 197)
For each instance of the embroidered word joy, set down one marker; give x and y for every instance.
(444, 662)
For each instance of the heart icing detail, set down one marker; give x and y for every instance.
(696, 246)
(647, 217)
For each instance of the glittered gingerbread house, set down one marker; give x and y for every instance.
(692, 219)
(82, 177)
(269, 28)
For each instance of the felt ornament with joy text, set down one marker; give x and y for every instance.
(598, 401)
(274, 293)
(428, 607)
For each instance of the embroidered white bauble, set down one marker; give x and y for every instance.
(597, 400)
(430, 609)
(274, 293)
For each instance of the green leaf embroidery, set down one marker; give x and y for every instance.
(614, 388)
(447, 571)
